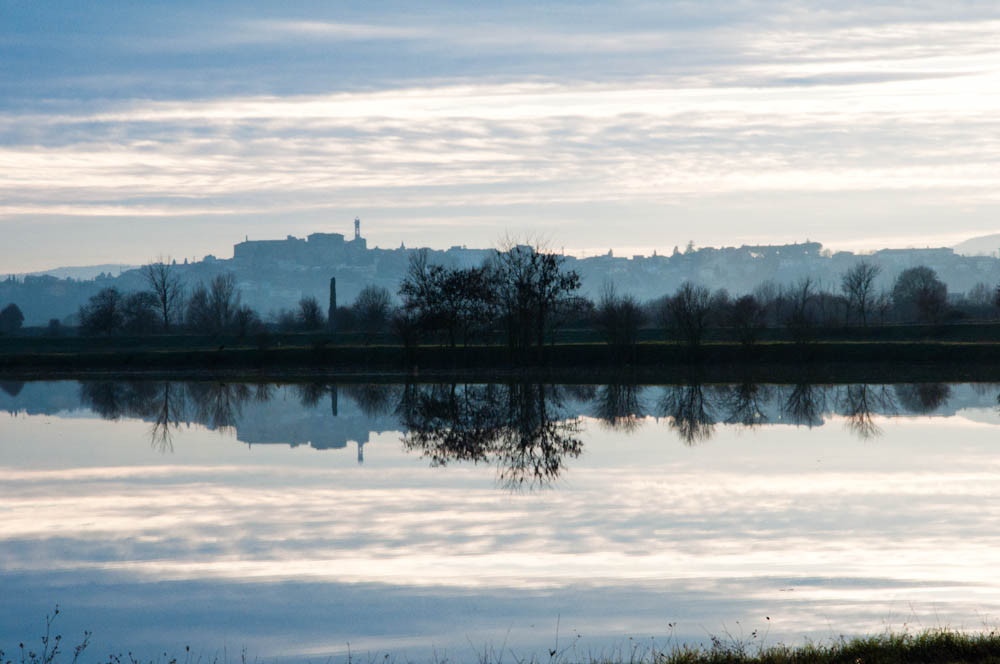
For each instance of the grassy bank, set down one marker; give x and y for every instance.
(934, 646)
(831, 361)
(931, 646)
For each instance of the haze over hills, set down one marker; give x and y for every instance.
(83, 271)
(273, 275)
(984, 245)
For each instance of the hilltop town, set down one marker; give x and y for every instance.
(273, 275)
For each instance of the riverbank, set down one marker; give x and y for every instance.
(925, 647)
(931, 646)
(822, 361)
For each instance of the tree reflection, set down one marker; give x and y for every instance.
(310, 394)
(12, 387)
(860, 403)
(218, 406)
(619, 406)
(527, 430)
(922, 398)
(745, 403)
(374, 400)
(518, 427)
(168, 416)
(805, 404)
(689, 412)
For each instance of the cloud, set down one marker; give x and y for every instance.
(422, 113)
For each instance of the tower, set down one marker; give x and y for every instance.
(357, 228)
(331, 313)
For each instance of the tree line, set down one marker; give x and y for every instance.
(522, 296)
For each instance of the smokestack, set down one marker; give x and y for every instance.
(331, 314)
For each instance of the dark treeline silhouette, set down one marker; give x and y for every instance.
(523, 297)
(527, 430)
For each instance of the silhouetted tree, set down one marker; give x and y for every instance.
(167, 289)
(858, 286)
(310, 314)
(371, 309)
(532, 290)
(746, 316)
(103, 313)
(139, 313)
(199, 314)
(212, 309)
(406, 326)
(687, 313)
(800, 319)
(11, 319)
(223, 300)
(918, 293)
(246, 321)
(619, 318)
(980, 298)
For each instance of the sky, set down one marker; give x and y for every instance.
(134, 130)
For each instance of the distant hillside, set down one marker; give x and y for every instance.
(84, 271)
(985, 245)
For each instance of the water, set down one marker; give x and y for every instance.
(445, 521)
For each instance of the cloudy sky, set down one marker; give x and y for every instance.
(130, 130)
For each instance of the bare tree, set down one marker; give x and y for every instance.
(139, 313)
(166, 287)
(858, 285)
(103, 313)
(746, 316)
(310, 315)
(800, 319)
(532, 290)
(619, 317)
(213, 308)
(687, 312)
(247, 321)
(224, 300)
(372, 308)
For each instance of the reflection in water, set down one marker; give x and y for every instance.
(374, 400)
(922, 398)
(619, 406)
(744, 403)
(805, 404)
(688, 412)
(526, 429)
(642, 532)
(860, 402)
(519, 427)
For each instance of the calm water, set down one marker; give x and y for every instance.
(441, 520)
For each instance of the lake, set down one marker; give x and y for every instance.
(438, 521)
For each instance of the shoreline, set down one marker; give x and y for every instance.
(647, 362)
